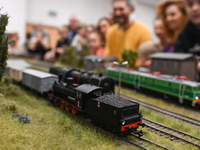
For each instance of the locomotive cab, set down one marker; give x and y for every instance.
(85, 92)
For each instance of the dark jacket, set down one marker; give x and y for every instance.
(188, 39)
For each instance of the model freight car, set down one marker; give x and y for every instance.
(84, 77)
(38, 80)
(174, 86)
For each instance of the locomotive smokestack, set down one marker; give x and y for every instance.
(70, 81)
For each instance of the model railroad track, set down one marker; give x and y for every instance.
(172, 133)
(168, 113)
(143, 143)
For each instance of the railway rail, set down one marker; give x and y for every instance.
(143, 143)
(171, 133)
(168, 113)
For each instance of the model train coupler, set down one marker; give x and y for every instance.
(142, 124)
(139, 133)
(133, 130)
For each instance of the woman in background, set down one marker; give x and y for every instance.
(174, 16)
(188, 40)
(190, 35)
(96, 44)
(103, 27)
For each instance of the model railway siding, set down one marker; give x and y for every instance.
(144, 144)
(165, 112)
(171, 133)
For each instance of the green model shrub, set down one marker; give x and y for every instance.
(3, 43)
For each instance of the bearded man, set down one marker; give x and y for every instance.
(125, 34)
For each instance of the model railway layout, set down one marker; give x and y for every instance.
(91, 95)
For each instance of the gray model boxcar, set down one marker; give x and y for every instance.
(38, 80)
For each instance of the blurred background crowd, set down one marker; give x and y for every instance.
(176, 26)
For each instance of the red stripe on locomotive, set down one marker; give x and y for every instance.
(134, 125)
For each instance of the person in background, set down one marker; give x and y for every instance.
(125, 34)
(38, 46)
(150, 47)
(188, 40)
(39, 28)
(73, 25)
(80, 39)
(103, 26)
(190, 35)
(90, 29)
(14, 47)
(61, 45)
(174, 16)
(96, 43)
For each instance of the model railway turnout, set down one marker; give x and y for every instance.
(172, 133)
(143, 143)
(165, 112)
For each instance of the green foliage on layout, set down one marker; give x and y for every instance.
(3, 43)
(130, 56)
(70, 58)
(85, 52)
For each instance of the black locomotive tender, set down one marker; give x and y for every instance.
(96, 103)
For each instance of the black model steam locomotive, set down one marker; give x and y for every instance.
(112, 112)
(83, 77)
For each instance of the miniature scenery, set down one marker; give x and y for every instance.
(85, 86)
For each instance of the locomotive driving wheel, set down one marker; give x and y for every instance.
(74, 111)
(61, 106)
(67, 108)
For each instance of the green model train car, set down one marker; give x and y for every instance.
(184, 90)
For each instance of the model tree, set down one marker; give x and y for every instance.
(69, 57)
(85, 52)
(3, 43)
(131, 57)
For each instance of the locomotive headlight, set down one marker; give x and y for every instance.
(196, 97)
(123, 122)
